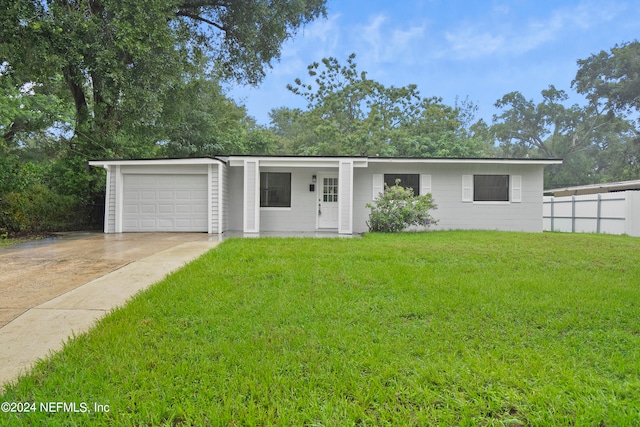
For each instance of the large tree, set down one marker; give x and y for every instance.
(118, 66)
(544, 129)
(611, 81)
(354, 114)
(350, 114)
(576, 134)
(199, 120)
(612, 78)
(445, 131)
(118, 57)
(29, 109)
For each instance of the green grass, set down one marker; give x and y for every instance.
(7, 241)
(439, 328)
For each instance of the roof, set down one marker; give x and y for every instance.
(606, 187)
(149, 162)
(359, 161)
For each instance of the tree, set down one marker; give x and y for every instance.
(355, 114)
(444, 131)
(350, 114)
(199, 120)
(612, 78)
(118, 58)
(27, 109)
(289, 126)
(117, 63)
(550, 129)
(611, 81)
(546, 129)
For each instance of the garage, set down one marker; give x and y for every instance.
(164, 202)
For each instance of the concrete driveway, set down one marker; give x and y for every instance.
(53, 288)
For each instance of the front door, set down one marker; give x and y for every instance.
(327, 200)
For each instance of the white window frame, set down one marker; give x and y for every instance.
(378, 184)
(290, 191)
(514, 192)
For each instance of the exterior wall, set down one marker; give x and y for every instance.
(251, 201)
(110, 202)
(446, 188)
(214, 198)
(301, 216)
(609, 213)
(235, 186)
(345, 197)
(224, 197)
(445, 180)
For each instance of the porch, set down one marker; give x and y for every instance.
(287, 194)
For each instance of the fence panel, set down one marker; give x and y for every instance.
(608, 213)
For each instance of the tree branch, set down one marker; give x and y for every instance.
(11, 133)
(77, 92)
(201, 19)
(199, 4)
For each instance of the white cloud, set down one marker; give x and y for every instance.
(321, 38)
(371, 35)
(471, 43)
(500, 35)
(325, 33)
(317, 40)
(379, 41)
(403, 40)
(510, 45)
(501, 8)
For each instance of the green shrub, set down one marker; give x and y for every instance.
(37, 209)
(397, 208)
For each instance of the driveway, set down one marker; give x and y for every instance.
(54, 288)
(35, 272)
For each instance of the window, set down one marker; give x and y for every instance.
(330, 190)
(491, 188)
(406, 180)
(275, 190)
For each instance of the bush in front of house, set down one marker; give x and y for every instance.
(38, 209)
(47, 196)
(397, 209)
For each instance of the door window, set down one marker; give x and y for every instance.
(330, 190)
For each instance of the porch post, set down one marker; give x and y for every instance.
(119, 196)
(251, 208)
(345, 196)
(210, 193)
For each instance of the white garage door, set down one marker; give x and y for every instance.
(164, 203)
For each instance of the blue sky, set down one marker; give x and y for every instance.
(480, 49)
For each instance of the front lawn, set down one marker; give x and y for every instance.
(438, 328)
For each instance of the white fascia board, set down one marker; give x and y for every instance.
(617, 186)
(301, 162)
(469, 161)
(154, 162)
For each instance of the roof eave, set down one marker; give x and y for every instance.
(155, 162)
(444, 160)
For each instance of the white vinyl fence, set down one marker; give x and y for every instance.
(610, 213)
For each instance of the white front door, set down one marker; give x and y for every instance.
(327, 200)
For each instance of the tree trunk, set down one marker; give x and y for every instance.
(71, 75)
